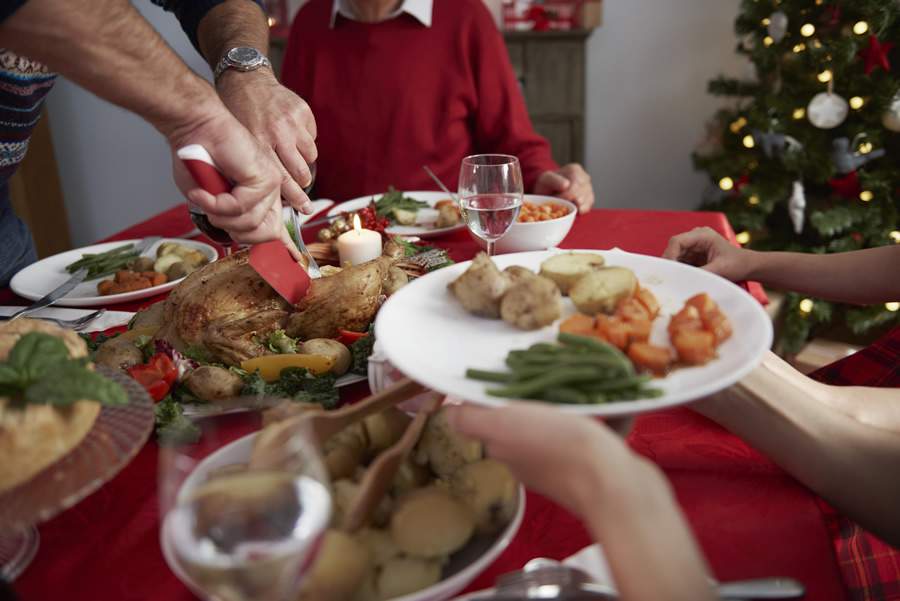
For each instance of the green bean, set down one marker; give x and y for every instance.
(89, 258)
(489, 376)
(586, 342)
(566, 396)
(537, 385)
(616, 384)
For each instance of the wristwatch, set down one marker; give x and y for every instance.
(242, 58)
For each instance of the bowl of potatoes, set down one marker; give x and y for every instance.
(448, 514)
(549, 222)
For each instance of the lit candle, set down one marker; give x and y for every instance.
(358, 245)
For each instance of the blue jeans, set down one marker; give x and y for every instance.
(16, 246)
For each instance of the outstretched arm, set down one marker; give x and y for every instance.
(841, 442)
(622, 498)
(108, 48)
(858, 277)
(280, 119)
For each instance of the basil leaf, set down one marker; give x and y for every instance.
(71, 382)
(10, 376)
(35, 353)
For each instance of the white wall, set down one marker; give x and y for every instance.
(648, 67)
(115, 168)
(647, 106)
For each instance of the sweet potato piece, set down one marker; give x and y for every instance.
(578, 324)
(631, 309)
(694, 347)
(702, 302)
(613, 330)
(716, 323)
(656, 359)
(638, 330)
(105, 287)
(156, 278)
(686, 319)
(646, 298)
(124, 276)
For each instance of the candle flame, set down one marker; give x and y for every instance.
(357, 226)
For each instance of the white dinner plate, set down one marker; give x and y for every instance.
(36, 280)
(427, 216)
(427, 335)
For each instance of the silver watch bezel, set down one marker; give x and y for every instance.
(242, 58)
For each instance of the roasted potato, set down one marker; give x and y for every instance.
(518, 273)
(340, 354)
(381, 546)
(118, 354)
(431, 523)
(166, 261)
(566, 269)
(409, 477)
(395, 280)
(488, 489)
(601, 290)
(345, 451)
(211, 383)
(448, 216)
(141, 264)
(343, 493)
(385, 428)
(443, 449)
(177, 271)
(341, 566)
(481, 287)
(531, 303)
(403, 575)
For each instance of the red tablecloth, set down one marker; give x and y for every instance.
(750, 517)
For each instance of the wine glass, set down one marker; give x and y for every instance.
(490, 195)
(240, 530)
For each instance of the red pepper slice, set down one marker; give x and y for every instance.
(348, 337)
(156, 376)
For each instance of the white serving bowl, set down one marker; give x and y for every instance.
(536, 235)
(463, 567)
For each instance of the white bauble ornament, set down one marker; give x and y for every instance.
(778, 24)
(797, 207)
(827, 110)
(891, 117)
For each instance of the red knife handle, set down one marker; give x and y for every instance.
(203, 169)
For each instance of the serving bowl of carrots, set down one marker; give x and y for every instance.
(543, 222)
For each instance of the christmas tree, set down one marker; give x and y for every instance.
(808, 157)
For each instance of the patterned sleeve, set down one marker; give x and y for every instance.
(190, 13)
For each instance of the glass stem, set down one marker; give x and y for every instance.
(490, 248)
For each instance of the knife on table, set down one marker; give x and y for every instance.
(271, 260)
(70, 284)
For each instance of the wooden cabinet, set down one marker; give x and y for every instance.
(550, 67)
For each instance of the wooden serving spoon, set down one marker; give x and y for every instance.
(380, 474)
(269, 450)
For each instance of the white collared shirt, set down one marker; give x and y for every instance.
(418, 9)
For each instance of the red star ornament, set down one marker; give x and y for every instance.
(741, 182)
(846, 186)
(875, 55)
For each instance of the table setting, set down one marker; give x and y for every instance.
(404, 300)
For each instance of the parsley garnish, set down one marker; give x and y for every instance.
(39, 370)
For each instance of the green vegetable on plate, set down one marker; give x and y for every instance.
(578, 370)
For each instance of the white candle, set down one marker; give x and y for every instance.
(358, 245)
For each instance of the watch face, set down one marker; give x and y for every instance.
(244, 57)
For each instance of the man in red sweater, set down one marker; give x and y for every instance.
(397, 84)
